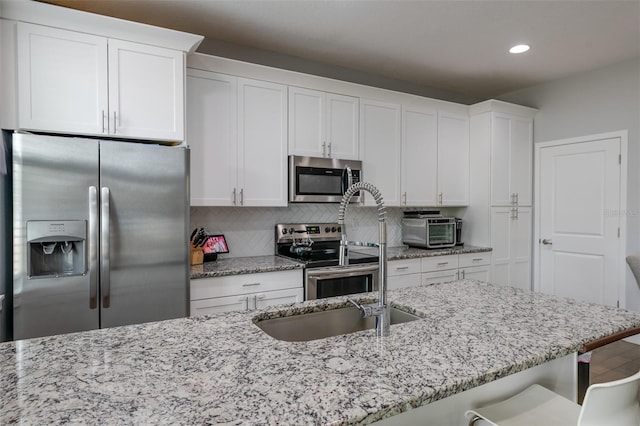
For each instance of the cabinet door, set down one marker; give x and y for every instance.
(380, 149)
(522, 160)
(342, 126)
(478, 273)
(306, 122)
(212, 137)
(262, 143)
(62, 80)
(453, 160)
(501, 218)
(146, 91)
(280, 297)
(404, 281)
(511, 160)
(216, 305)
(521, 248)
(440, 276)
(419, 157)
(511, 243)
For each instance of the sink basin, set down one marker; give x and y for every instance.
(319, 325)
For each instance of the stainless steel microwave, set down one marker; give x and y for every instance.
(429, 232)
(322, 180)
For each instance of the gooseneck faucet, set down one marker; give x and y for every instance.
(381, 309)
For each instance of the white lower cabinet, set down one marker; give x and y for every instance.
(439, 269)
(511, 236)
(404, 273)
(245, 292)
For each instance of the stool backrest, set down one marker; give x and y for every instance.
(612, 403)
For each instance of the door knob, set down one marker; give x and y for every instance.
(546, 241)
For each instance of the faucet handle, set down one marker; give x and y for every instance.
(367, 311)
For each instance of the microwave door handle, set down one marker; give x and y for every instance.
(349, 178)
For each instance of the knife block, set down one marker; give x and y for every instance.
(197, 256)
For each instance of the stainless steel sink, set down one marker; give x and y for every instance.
(319, 325)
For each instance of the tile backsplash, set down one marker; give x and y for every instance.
(250, 230)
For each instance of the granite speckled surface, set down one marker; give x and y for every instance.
(243, 265)
(224, 369)
(252, 265)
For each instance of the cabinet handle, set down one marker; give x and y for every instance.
(234, 196)
(404, 198)
(477, 259)
(440, 198)
(115, 123)
(103, 117)
(512, 214)
(246, 302)
(462, 274)
(517, 201)
(443, 263)
(324, 149)
(242, 197)
(399, 268)
(250, 284)
(513, 199)
(329, 149)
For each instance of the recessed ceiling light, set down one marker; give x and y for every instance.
(520, 48)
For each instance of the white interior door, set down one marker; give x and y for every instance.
(579, 190)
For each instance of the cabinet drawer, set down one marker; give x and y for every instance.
(440, 276)
(439, 263)
(204, 288)
(474, 259)
(403, 267)
(403, 281)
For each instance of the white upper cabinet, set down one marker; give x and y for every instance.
(237, 135)
(322, 124)
(380, 148)
(511, 159)
(262, 143)
(419, 156)
(62, 80)
(146, 91)
(453, 159)
(75, 83)
(212, 136)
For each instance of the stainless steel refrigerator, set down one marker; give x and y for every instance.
(99, 233)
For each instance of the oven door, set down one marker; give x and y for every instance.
(340, 280)
(441, 234)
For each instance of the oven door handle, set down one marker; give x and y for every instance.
(348, 271)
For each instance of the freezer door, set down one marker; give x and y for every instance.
(144, 224)
(53, 179)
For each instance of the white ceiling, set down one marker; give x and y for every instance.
(457, 46)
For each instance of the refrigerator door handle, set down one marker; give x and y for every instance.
(93, 247)
(104, 248)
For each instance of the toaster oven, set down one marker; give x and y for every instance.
(429, 232)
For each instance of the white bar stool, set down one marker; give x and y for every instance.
(612, 403)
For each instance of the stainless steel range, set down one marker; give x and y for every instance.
(317, 245)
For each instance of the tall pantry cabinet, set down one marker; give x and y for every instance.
(501, 169)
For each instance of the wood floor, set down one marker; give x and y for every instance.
(614, 361)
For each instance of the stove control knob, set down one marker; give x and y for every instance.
(284, 231)
(291, 231)
(339, 228)
(333, 229)
(327, 229)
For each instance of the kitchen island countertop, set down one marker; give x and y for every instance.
(224, 369)
(257, 264)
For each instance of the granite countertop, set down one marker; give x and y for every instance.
(256, 264)
(243, 265)
(224, 369)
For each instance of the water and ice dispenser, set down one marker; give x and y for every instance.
(56, 248)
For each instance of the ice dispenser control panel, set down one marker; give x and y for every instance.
(56, 248)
